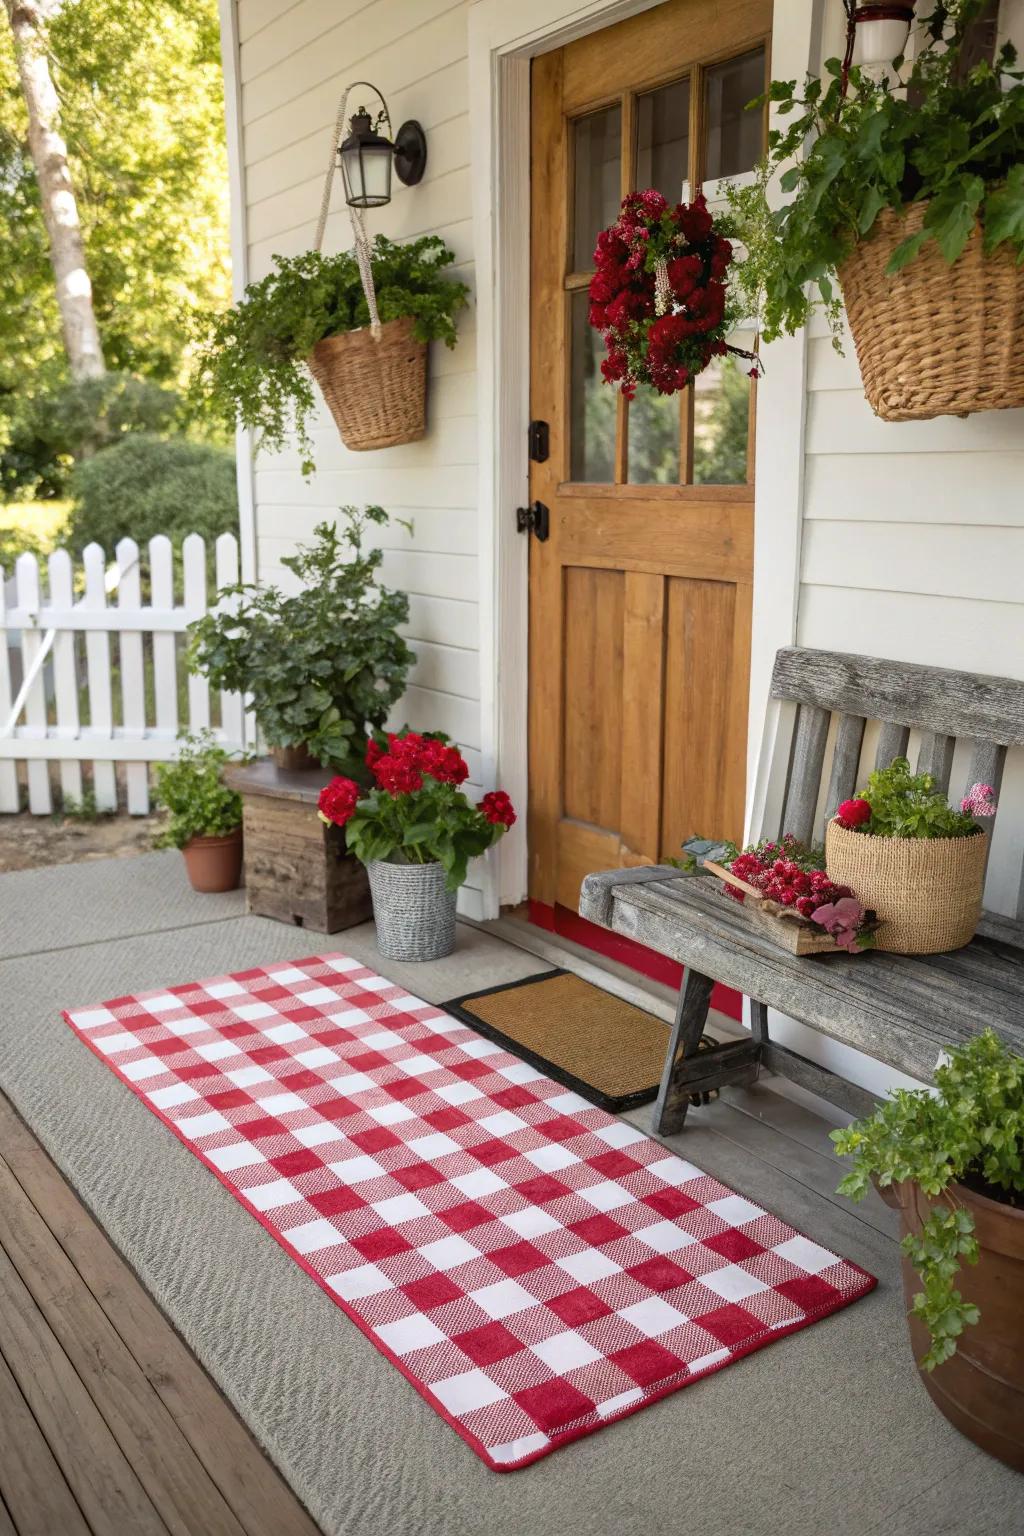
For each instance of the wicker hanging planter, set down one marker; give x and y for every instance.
(375, 385)
(934, 339)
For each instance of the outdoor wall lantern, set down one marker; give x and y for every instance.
(876, 33)
(366, 155)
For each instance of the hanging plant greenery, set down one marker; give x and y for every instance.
(936, 134)
(253, 359)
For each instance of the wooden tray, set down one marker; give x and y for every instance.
(787, 928)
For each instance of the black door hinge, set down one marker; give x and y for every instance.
(534, 519)
(538, 439)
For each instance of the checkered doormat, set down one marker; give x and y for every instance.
(535, 1267)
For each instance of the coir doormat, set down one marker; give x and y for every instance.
(603, 1047)
(536, 1268)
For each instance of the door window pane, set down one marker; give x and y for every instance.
(598, 176)
(721, 419)
(593, 408)
(653, 438)
(663, 139)
(735, 129)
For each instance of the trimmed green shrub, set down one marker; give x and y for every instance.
(147, 485)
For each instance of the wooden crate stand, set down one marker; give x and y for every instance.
(296, 869)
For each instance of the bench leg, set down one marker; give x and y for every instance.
(691, 1016)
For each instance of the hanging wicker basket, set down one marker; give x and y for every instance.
(375, 386)
(934, 339)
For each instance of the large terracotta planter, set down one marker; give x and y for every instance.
(981, 1389)
(214, 863)
(926, 890)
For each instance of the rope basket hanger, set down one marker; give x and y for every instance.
(374, 380)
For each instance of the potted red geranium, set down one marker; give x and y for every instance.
(415, 831)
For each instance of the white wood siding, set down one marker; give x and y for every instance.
(294, 62)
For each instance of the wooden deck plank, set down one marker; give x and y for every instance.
(250, 1486)
(177, 1484)
(34, 1498)
(108, 1493)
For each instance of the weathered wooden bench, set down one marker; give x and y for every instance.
(898, 1009)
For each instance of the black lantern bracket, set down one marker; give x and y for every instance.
(372, 137)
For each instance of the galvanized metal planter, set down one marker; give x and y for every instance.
(413, 910)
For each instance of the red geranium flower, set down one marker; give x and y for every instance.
(444, 763)
(853, 813)
(397, 775)
(497, 808)
(337, 801)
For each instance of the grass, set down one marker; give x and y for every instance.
(32, 525)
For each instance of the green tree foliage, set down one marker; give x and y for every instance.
(142, 112)
(143, 115)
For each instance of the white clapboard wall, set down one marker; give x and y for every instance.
(92, 673)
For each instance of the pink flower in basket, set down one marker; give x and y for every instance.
(980, 800)
(841, 919)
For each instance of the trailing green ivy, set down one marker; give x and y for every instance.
(941, 135)
(969, 1131)
(193, 791)
(324, 666)
(252, 358)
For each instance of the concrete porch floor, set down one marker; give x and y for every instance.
(825, 1430)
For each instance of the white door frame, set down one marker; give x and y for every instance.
(503, 38)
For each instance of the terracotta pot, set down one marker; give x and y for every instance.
(297, 759)
(214, 863)
(981, 1389)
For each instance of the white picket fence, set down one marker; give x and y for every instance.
(118, 702)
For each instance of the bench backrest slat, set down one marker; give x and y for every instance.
(808, 759)
(832, 694)
(842, 781)
(923, 698)
(936, 757)
(892, 742)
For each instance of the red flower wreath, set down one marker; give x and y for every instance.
(658, 293)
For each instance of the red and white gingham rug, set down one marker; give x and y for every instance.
(534, 1266)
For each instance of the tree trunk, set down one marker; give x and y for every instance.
(28, 20)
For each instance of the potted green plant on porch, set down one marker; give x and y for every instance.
(205, 815)
(415, 831)
(909, 197)
(324, 665)
(952, 1163)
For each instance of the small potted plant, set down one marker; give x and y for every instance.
(205, 819)
(909, 195)
(311, 315)
(323, 666)
(415, 831)
(909, 855)
(952, 1163)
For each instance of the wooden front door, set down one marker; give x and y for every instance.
(640, 597)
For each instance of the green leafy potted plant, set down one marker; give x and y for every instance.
(906, 853)
(323, 666)
(952, 1163)
(910, 194)
(205, 816)
(415, 831)
(311, 314)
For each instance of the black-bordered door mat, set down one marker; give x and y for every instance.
(607, 1050)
